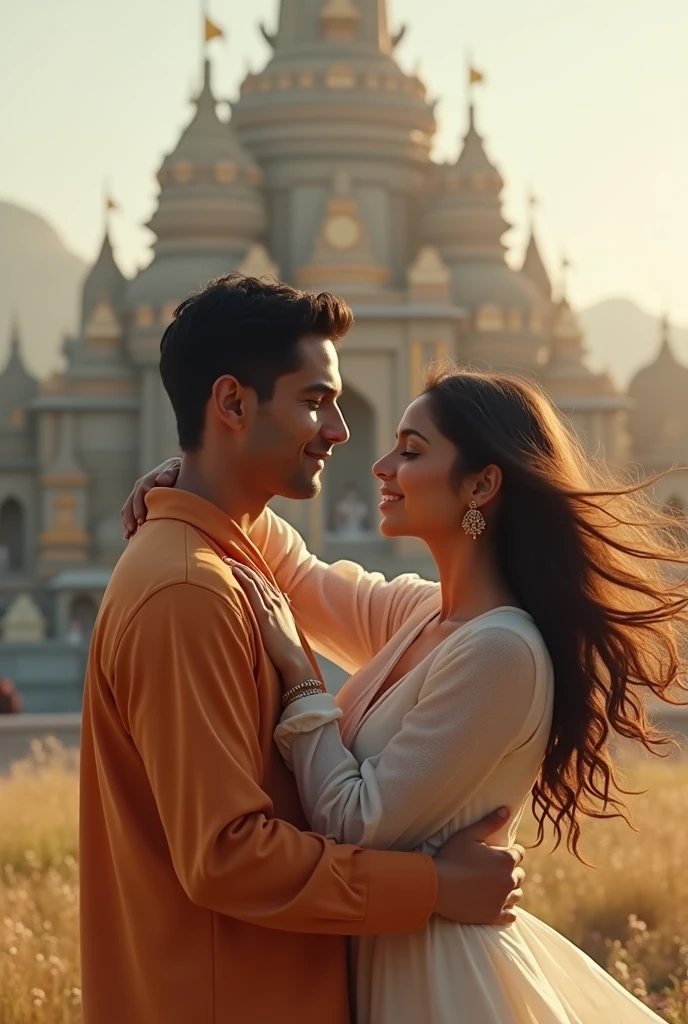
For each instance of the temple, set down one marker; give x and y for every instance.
(323, 176)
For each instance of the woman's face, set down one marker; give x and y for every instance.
(419, 498)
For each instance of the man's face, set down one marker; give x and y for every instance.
(294, 433)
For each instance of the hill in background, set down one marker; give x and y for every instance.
(621, 337)
(41, 279)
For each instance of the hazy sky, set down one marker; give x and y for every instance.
(586, 100)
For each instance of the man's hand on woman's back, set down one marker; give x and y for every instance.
(477, 883)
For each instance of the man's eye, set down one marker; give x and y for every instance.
(409, 455)
(314, 403)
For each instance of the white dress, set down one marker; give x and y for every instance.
(462, 733)
(442, 747)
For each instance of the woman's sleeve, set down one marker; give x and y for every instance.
(346, 613)
(476, 706)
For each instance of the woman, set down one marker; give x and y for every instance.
(552, 623)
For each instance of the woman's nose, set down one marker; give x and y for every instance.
(382, 468)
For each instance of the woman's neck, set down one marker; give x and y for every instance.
(469, 577)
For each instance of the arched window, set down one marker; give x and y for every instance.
(350, 485)
(11, 536)
(82, 616)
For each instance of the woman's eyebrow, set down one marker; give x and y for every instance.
(410, 432)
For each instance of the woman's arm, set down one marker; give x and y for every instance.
(346, 613)
(476, 706)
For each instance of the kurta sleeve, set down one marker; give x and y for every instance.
(191, 709)
(476, 706)
(346, 613)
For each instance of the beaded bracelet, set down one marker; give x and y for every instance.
(304, 693)
(306, 684)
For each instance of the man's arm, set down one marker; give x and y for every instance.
(184, 684)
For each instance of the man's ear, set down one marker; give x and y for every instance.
(231, 401)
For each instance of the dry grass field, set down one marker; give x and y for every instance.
(630, 912)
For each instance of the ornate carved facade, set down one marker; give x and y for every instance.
(323, 175)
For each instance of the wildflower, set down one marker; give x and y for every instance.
(38, 996)
(622, 969)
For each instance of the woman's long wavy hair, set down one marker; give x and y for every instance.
(595, 563)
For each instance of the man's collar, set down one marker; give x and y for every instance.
(224, 533)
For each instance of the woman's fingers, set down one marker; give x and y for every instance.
(134, 511)
(250, 587)
(263, 585)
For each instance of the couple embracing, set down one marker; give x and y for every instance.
(254, 850)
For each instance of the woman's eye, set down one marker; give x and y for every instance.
(409, 455)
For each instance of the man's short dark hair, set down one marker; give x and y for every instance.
(243, 327)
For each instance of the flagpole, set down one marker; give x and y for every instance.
(204, 44)
(106, 206)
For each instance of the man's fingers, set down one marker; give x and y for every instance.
(515, 896)
(518, 852)
(518, 877)
(506, 917)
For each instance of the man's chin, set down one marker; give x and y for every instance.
(304, 487)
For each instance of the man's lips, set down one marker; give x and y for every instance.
(320, 457)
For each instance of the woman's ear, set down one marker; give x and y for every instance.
(487, 484)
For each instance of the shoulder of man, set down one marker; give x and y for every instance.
(167, 566)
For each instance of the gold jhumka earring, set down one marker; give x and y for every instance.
(474, 521)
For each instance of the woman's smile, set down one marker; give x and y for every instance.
(389, 498)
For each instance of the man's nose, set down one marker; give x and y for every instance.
(335, 428)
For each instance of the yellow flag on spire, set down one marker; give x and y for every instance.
(212, 31)
(475, 76)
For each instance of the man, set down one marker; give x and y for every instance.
(204, 899)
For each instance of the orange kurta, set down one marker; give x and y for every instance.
(202, 901)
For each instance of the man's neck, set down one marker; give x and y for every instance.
(226, 490)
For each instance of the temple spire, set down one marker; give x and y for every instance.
(15, 337)
(666, 356)
(533, 265)
(473, 161)
(104, 282)
(14, 375)
(359, 24)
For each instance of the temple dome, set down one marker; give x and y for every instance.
(659, 418)
(210, 214)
